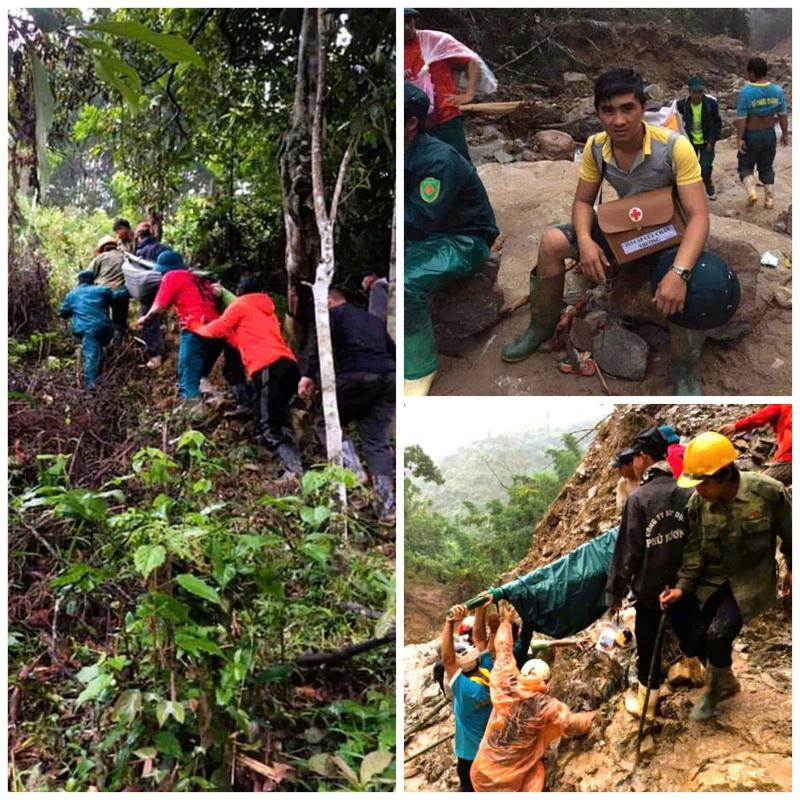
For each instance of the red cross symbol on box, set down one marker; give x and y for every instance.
(635, 214)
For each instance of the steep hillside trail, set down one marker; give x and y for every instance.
(746, 747)
(269, 557)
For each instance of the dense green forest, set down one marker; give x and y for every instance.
(471, 546)
(181, 617)
(483, 471)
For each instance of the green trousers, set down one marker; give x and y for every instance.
(452, 132)
(429, 265)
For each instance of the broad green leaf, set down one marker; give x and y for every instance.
(198, 586)
(45, 104)
(46, 19)
(166, 709)
(195, 644)
(315, 516)
(318, 552)
(146, 752)
(273, 674)
(319, 763)
(148, 557)
(174, 49)
(128, 706)
(120, 76)
(168, 744)
(75, 574)
(373, 764)
(94, 689)
(88, 674)
(313, 481)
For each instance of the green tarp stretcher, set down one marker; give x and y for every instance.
(564, 597)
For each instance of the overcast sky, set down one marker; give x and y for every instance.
(440, 425)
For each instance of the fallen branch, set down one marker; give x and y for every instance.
(423, 721)
(429, 747)
(500, 108)
(336, 657)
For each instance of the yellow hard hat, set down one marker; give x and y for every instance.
(104, 241)
(706, 455)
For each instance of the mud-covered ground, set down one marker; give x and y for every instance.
(758, 365)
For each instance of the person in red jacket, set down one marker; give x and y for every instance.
(250, 324)
(779, 417)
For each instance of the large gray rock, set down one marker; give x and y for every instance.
(467, 307)
(575, 77)
(620, 352)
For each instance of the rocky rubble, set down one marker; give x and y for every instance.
(747, 748)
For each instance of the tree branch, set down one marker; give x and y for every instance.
(336, 657)
(348, 155)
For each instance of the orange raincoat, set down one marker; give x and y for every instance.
(524, 721)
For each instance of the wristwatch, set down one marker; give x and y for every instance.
(683, 273)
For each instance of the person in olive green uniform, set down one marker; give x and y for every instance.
(449, 228)
(734, 521)
(700, 112)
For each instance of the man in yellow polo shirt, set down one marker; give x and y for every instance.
(634, 157)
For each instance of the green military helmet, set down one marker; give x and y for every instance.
(713, 295)
(415, 101)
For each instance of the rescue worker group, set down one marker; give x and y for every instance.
(265, 376)
(450, 225)
(696, 545)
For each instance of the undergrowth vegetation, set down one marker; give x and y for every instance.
(155, 629)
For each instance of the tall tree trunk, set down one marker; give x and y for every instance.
(302, 236)
(391, 311)
(326, 266)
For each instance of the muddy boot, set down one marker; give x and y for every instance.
(720, 683)
(769, 195)
(117, 340)
(749, 183)
(385, 506)
(545, 310)
(289, 457)
(243, 402)
(351, 461)
(634, 703)
(686, 348)
(419, 387)
(711, 192)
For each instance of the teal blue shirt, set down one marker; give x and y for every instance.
(760, 100)
(472, 706)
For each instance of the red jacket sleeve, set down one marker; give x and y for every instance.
(768, 414)
(222, 327)
(165, 296)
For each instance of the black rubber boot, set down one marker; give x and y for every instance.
(545, 310)
(385, 507)
(686, 348)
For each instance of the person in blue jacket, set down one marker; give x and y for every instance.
(88, 307)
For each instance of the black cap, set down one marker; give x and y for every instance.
(415, 101)
(651, 442)
(624, 456)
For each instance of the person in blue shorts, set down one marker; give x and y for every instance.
(760, 102)
(467, 667)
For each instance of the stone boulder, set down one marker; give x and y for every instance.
(467, 307)
(555, 145)
(620, 352)
(740, 773)
(575, 77)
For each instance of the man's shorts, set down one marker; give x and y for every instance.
(568, 229)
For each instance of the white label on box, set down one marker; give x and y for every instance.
(657, 236)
